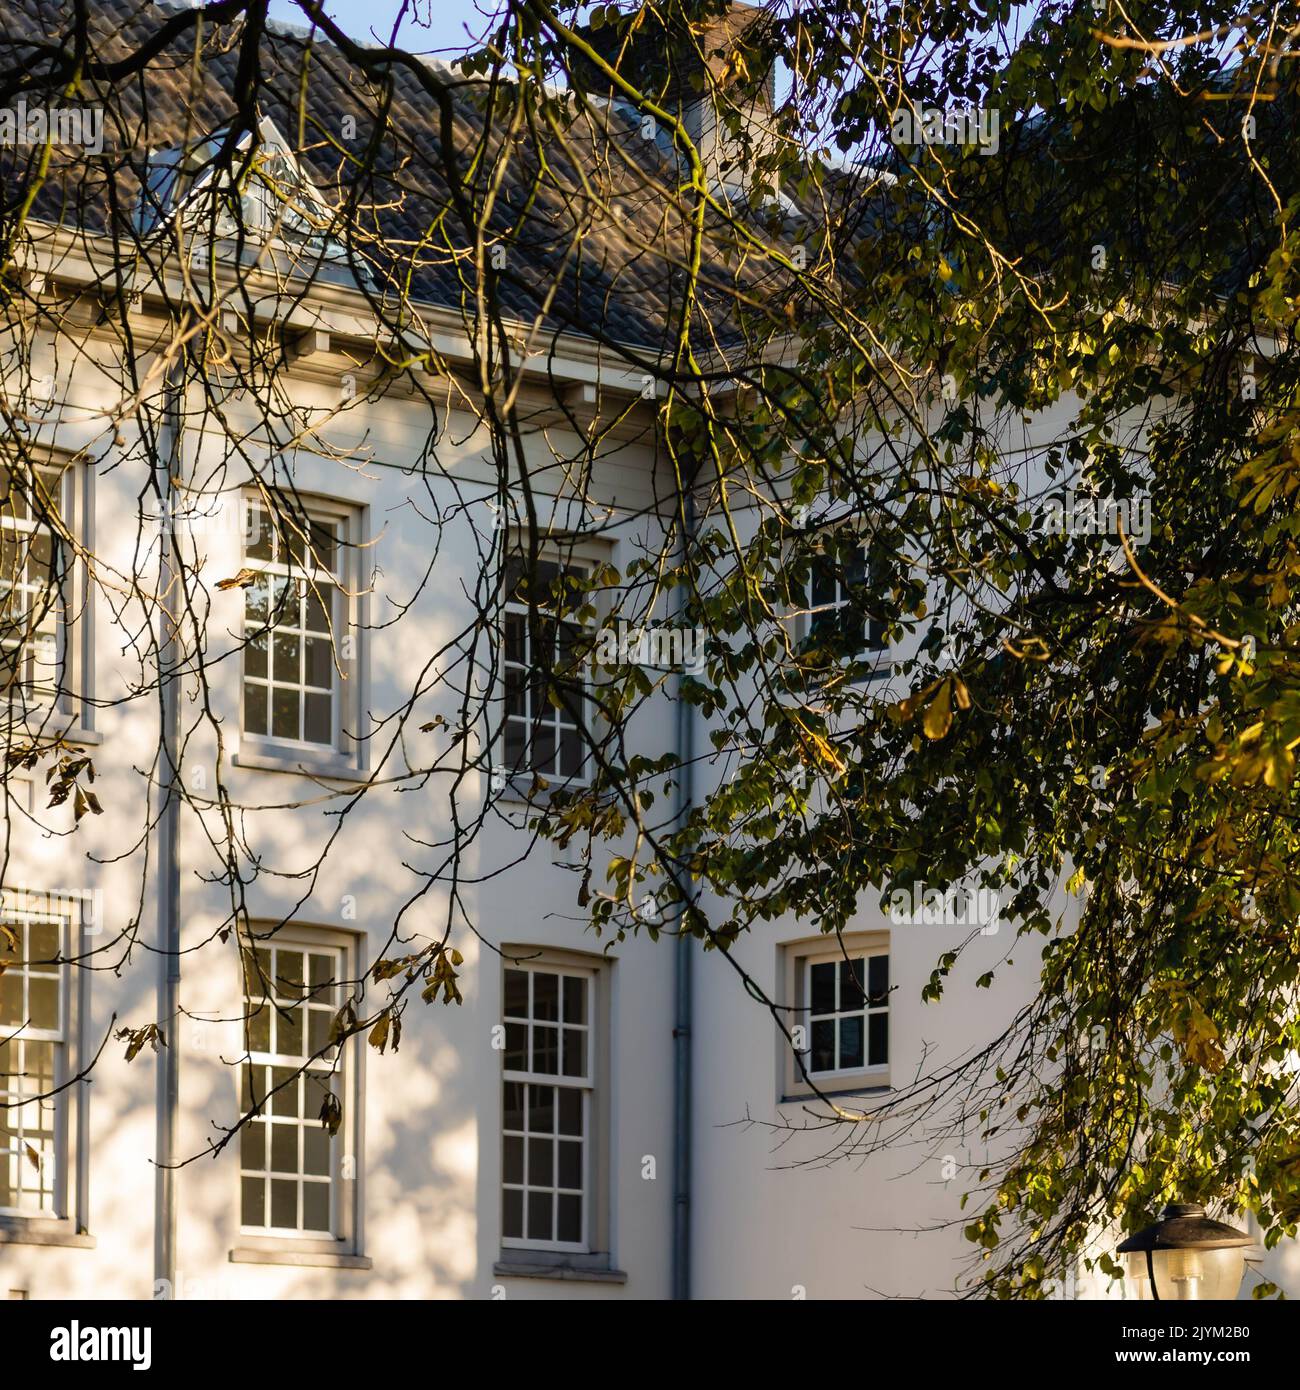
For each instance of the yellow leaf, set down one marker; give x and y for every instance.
(938, 713)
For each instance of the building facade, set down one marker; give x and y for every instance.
(528, 1141)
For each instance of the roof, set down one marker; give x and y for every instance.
(397, 148)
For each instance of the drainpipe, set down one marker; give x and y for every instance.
(684, 953)
(167, 465)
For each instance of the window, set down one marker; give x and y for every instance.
(848, 1014)
(34, 1031)
(838, 1016)
(32, 571)
(290, 1168)
(547, 696)
(837, 627)
(296, 628)
(547, 1108)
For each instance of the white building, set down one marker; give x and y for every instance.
(458, 1169)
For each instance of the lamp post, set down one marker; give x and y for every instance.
(1185, 1256)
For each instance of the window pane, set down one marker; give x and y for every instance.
(285, 654)
(42, 945)
(284, 713)
(257, 604)
(512, 1215)
(853, 980)
(571, 755)
(288, 974)
(252, 1205)
(513, 1105)
(546, 995)
(541, 1109)
(319, 610)
(285, 1100)
(316, 1150)
(255, 656)
(546, 1049)
(570, 1170)
(320, 663)
(516, 745)
(516, 994)
(43, 1000)
(878, 1025)
(252, 1145)
(822, 587)
(570, 1219)
(255, 709)
(541, 1158)
(823, 987)
(575, 999)
(257, 532)
(289, 1033)
(284, 1148)
(570, 1110)
(316, 1206)
(543, 751)
(575, 1052)
(284, 1203)
(823, 1046)
(539, 1216)
(851, 1042)
(320, 719)
(878, 979)
(11, 999)
(259, 1029)
(516, 1058)
(512, 1159)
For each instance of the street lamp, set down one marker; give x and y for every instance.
(1184, 1256)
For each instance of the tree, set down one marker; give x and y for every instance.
(844, 302)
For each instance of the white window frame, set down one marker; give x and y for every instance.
(870, 647)
(345, 750)
(64, 1222)
(796, 972)
(869, 1010)
(567, 558)
(66, 704)
(584, 1084)
(344, 1072)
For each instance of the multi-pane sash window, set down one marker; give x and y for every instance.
(291, 620)
(31, 565)
(33, 1064)
(546, 1107)
(848, 1014)
(288, 1165)
(836, 623)
(546, 680)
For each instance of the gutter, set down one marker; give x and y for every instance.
(167, 466)
(683, 982)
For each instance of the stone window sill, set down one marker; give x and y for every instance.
(334, 767)
(20, 1231)
(539, 1269)
(315, 1259)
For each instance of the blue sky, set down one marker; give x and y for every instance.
(431, 25)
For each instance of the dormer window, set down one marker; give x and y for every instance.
(263, 201)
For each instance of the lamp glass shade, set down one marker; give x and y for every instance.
(1186, 1275)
